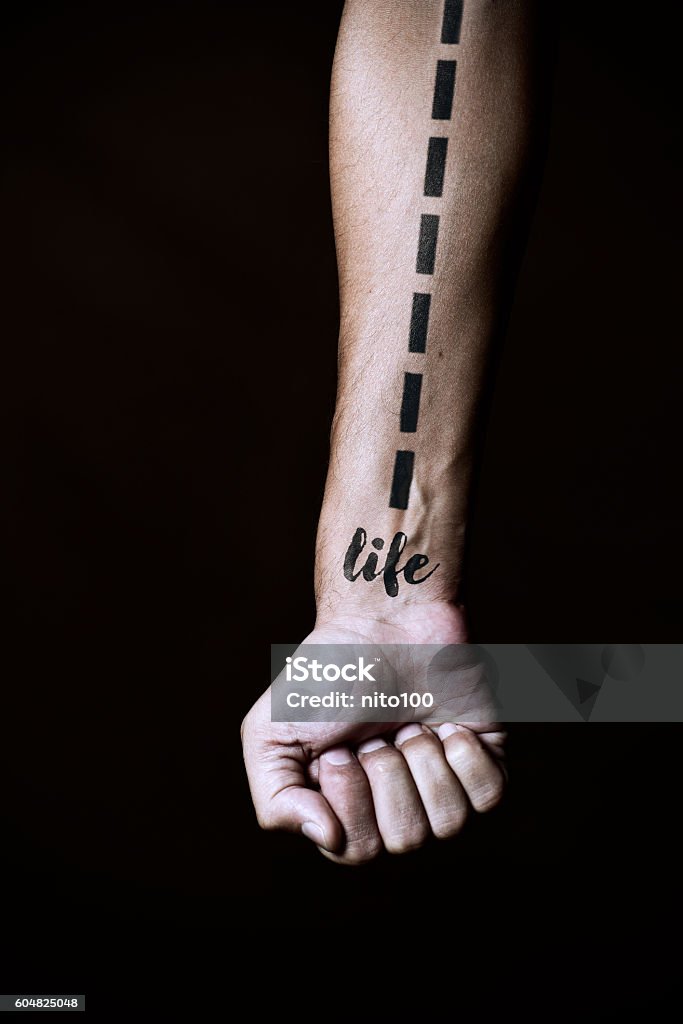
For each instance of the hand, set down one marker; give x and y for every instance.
(356, 788)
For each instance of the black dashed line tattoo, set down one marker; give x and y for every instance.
(419, 322)
(410, 406)
(426, 247)
(437, 150)
(404, 462)
(403, 477)
(452, 20)
(436, 167)
(444, 87)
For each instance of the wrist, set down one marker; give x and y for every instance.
(426, 622)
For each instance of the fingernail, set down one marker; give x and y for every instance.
(368, 745)
(408, 731)
(314, 833)
(446, 730)
(338, 755)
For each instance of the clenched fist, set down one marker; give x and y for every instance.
(355, 788)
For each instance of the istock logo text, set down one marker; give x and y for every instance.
(300, 669)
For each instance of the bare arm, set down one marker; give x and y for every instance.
(426, 208)
(430, 145)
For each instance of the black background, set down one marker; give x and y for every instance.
(169, 320)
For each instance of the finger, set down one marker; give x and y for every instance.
(494, 744)
(492, 737)
(313, 772)
(442, 795)
(479, 773)
(281, 798)
(401, 818)
(345, 786)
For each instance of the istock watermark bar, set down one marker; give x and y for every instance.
(477, 683)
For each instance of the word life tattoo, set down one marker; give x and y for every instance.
(391, 569)
(404, 462)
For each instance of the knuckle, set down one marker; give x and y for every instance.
(407, 839)
(363, 852)
(488, 796)
(354, 783)
(420, 749)
(450, 825)
(384, 760)
(463, 741)
(404, 844)
(462, 752)
(363, 840)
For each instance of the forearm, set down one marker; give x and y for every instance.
(412, 368)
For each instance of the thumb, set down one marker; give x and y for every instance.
(283, 801)
(298, 809)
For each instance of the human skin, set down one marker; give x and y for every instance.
(355, 789)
